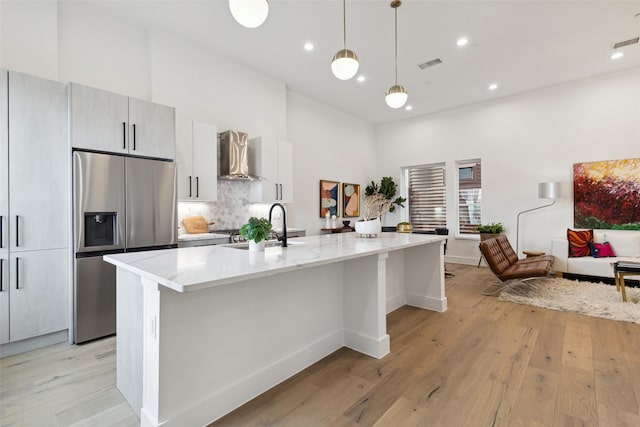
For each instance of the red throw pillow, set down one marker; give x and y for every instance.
(579, 242)
(601, 250)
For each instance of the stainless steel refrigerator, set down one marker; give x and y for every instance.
(121, 204)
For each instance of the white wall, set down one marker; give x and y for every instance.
(327, 144)
(29, 37)
(522, 140)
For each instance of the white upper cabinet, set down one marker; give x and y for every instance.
(4, 208)
(109, 122)
(273, 161)
(197, 157)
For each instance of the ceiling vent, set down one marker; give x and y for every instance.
(626, 43)
(431, 63)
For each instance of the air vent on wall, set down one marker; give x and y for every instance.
(626, 43)
(431, 63)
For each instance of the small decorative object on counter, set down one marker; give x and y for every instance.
(403, 227)
(333, 221)
(256, 231)
(327, 217)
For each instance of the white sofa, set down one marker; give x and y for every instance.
(625, 244)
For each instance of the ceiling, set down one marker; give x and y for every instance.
(520, 45)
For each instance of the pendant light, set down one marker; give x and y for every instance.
(249, 13)
(345, 63)
(397, 95)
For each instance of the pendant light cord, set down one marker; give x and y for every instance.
(344, 21)
(395, 10)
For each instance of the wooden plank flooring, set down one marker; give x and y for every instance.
(482, 363)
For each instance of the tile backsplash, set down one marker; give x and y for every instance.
(231, 210)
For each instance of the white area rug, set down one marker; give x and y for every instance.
(591, 299)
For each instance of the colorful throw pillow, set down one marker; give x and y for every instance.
(579, 242)
(601, 250)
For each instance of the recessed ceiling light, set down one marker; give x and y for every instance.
(361, 78)
(493, 86)
(617, 55)
(408, 108)
(462, 41)
(308, 46)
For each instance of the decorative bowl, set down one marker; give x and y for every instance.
(403, 227)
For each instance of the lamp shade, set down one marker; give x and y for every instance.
(345, 64)
(396, 97)
(249, 13)
(549, 190)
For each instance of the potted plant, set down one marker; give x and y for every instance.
(256, 231)
(374, 207)
(388, 188)
(488, 231)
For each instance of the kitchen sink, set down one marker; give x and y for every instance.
(269, 244)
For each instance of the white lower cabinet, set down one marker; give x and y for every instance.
(39, 293)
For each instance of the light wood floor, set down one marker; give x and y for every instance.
(482, 363)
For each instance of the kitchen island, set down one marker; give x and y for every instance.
(202, 330)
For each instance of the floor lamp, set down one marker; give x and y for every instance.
(546, 190)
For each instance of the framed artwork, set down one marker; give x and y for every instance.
(329, 198)
(607, 194)
(351, 199)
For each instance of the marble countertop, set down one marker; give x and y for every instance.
(192, 269)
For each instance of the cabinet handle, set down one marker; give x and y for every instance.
(1, 236)
(17, 231)
(276, 191)
(197, 186)
(17, 273)
(189, 185)
(124, 135)
(280, 191)
(134, 137)
(1, 275)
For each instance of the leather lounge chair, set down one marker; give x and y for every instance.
(506, 265)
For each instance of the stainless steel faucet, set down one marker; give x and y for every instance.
(282, 238)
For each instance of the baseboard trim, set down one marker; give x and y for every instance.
(370, 346)
(430, 303)
(462, 260)
(395, 302)
(13, 348)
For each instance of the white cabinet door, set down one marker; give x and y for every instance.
(39, 292)
(4, 208)
(99, 119)
(285, 171)
(152, 129)
(264, 163)
(4, 161)
(205, 161)
(184, 157)
(274, 162)
(38, 163)
(4, 297)
(197, 157)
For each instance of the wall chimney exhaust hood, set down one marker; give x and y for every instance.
(233, 154)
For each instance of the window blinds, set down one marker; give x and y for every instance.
(427, 207)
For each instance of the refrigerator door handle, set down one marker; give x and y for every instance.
(134, 137)
(190, 193)
(197, 186)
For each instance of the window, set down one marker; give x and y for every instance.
(469, 195)
(426, 196)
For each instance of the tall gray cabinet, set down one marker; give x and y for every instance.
(34, 207)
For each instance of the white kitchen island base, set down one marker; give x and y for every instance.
(201, 348)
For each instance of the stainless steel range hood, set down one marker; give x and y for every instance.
(233, 155)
